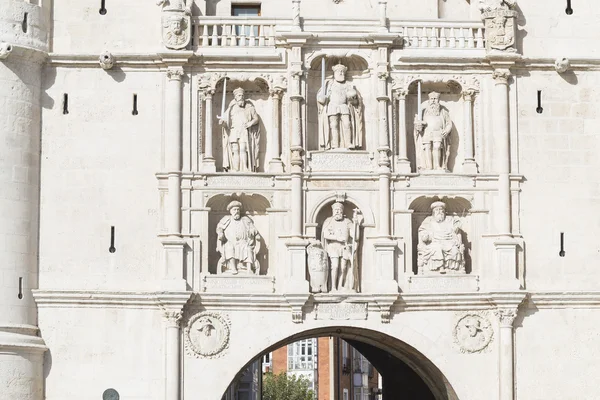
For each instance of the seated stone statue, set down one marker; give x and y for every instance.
(238, 241)
(440, 248)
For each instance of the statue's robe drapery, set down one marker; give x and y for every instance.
(446, 129)
(242, 240)
(233, 132)
(356, 117)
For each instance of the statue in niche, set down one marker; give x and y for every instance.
(318, 267)
(340, 237)
(432, 135)
(241, 134)
(341, 120)
(440, 248)
(238, 241)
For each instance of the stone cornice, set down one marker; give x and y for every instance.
(277, 301)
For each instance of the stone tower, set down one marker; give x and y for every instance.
(23, 48)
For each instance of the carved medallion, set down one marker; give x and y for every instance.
(176, 32)
(207, 334)
(473, 333)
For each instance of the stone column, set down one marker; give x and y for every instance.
(296, 156)
(501, 131)
(403, 165)
(469, 164)
(275, 165)
(208, 161)
(384, 160)
(173, 127)
(506, 317)
(172, 354)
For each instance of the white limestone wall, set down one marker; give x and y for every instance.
(98, 166)
(558, 155)
(545, 30)
(103, 348)
(557, 354)
(131, 26)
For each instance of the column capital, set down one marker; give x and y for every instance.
(383, 75)
(207, 92)
(506, 316)
(175, 73)
(173, 318)
(468, 94)
(400, 94)
(276, 93)
(501, 76)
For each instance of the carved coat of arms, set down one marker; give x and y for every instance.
(176, 29)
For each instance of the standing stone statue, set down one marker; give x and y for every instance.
(340, 238)
(341, 119)
(440, 248)
(238, 241)
(241, 134)
(432, 135)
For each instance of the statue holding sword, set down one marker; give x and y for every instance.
(241, 133)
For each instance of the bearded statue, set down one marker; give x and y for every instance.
(440, 248)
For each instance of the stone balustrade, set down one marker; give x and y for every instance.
(261, 32)
(451, 35)
(235, 32)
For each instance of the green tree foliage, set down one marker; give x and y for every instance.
(284, 387)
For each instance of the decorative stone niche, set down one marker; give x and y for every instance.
(441, 248)
(253, 206)
(256, 94)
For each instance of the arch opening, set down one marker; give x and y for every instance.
(405, 373)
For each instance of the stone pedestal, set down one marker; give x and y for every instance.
(505, 267)
(443, 283)
(174, 253)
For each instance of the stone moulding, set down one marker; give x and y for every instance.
(276, 302)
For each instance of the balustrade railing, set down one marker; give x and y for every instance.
(261, 32)
(234, 32)
(451, 35)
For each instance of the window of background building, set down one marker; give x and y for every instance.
(345, 394)
(301, 355)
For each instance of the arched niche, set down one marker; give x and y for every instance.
(377, 346)
(254, 206)
(315, 230)
(450, 89)
(324, 206)
(455, 206)
(358, 74)
(256, 92)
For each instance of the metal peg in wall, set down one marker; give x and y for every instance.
(112, 248)
(539, 108)
(562, 245)
(569, 9)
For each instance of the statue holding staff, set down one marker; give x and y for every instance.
(341, 121)
(241, 134)
(340, 238)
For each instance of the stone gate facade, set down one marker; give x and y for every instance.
(189, 184)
